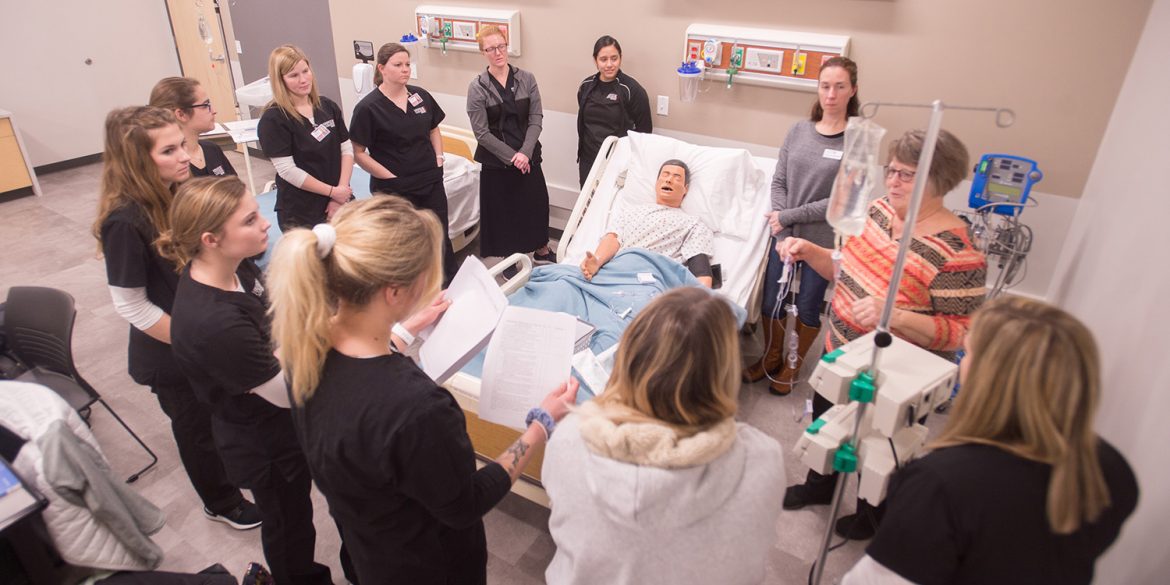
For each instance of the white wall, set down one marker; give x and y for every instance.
(58, 100)
(1113, 276)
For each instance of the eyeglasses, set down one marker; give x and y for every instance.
(903, 175)
(206, 104)
(496, 49)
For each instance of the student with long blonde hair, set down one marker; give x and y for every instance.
(143, 162)
(221, 341)
(1019, 488)
(304, 135)
(654, 481)
(387, 446)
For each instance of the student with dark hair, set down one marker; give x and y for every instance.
(187, 99)
(395, 133)
(609, 103)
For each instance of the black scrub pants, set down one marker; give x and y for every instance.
(191, 426)
(432, 197)
(287, 534)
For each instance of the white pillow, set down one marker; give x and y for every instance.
(724, 181)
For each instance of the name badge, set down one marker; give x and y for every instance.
(646, 278)
(217, 171)
(414, 99)
(257, 288)
(833, 154)
(320, 132)
(421, 110)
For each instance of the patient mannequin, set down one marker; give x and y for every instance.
(663, 228)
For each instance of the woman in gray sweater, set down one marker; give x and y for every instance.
(805, 169)
(503, 103)
(654, 481)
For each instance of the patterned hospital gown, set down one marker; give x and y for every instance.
(666, 230)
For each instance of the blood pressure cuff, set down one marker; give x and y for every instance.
(699, 265)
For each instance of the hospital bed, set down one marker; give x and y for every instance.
(623, 174)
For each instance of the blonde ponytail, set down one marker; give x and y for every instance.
(381, 242)
(301, 310)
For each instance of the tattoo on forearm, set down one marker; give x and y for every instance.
(518, 449)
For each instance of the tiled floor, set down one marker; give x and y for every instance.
(46, 241)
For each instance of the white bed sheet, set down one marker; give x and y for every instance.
(460, 180)
(740, 258)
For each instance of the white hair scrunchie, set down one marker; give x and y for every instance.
(326, 237)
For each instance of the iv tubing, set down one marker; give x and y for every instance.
(924, 162)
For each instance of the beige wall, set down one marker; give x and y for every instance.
(1058, 63)
(60, 101)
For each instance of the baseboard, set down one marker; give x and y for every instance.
(16, 194)
(68, 164)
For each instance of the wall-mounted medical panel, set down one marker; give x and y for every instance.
(454, 27)
(756, 56)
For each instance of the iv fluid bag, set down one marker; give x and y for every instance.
(856, 178)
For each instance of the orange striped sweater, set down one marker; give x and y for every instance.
(945, 276)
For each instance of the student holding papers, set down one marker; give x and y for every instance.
(385, 444)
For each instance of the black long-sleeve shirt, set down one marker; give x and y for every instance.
(390, 451)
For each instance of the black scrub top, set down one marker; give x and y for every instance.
(133, 262)
(399, 140)
(215, 162)
(977, 514)
(604, 113)
(389, 450)
(316, 149)
(222, 343)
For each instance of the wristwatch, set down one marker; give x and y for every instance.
(541, 416)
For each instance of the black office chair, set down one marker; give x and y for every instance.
(39, 326)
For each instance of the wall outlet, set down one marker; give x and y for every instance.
(663, 105)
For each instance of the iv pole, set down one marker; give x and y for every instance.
(1003, 118)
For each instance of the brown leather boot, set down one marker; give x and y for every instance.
(770, 362)
(788, 376)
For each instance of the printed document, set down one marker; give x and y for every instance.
(529, 355)
(461, 332)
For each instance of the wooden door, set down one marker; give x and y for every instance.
(202, 55)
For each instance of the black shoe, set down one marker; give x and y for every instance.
(810, 493)
(855, 527)
(245, 516)
(550, 257)
(256, 574)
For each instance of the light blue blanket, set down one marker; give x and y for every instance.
(609, 302)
